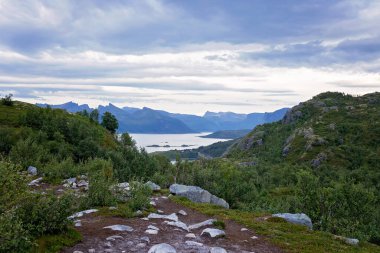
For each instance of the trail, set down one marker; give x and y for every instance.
(98, 239)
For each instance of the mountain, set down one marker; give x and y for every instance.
(228, 134)
(148, 120)
(70, 107)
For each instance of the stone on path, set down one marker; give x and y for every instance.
(178, 224)
(190, 235)
(194, 244)
(217, 250)
(213, 232)
(162, 248)
(35, 182)
(151, 231)
(77, 223)
(172, 216)
(243, 229)
(182, 212)
(153, 227)
(202, 224)
(254, 237)
(120, 228)
(114, 237)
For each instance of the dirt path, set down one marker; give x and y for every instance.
(95, 236)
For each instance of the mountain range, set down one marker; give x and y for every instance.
(147, 120)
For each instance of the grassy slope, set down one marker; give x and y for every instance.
(290, 237)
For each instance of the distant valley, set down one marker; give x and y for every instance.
(147, 120)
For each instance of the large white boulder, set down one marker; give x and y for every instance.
(296, 218)
(197, 194)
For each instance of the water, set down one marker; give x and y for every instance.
(175, 141)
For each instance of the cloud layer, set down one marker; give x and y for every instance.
(188, 56)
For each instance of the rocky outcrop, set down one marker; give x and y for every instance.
(316, 162)
(293, 114)
(296, 218)
(253, 140)
(197, 194)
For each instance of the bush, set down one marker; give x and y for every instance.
(100, 183)
(139, 196)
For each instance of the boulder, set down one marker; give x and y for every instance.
(162, 248)
(153, 186)
(213, 232)
(178, 224)
(32, 171)
(202, 224)
(296, 218)
(197, 194)
(194, 244)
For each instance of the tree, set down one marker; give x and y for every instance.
(7, 100)
(127, 141)
(109, 121)
(94, 115)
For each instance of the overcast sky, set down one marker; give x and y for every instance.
(188, 56)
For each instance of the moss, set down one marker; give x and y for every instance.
(55, 243)
(289, 237)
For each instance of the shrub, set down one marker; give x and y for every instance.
(139, 196)
(7, 100)
(100, 182)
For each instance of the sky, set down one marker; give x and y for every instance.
(188, 56)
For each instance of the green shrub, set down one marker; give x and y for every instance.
(219, 224)
(100, 183)
(7, 100)
(139, 196)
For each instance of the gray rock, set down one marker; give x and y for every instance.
(316, 162)
(153, 227)
(81, 213)
(178, 224)
(145, 239)
(35, 182)
(151, 231)
(120, 228)
(91, 251)
(202, 224)
(213, 232)
(182, 212)
(162, 248)
(114, 238)
(141, 245)
(197, 194)
(77, 251)
(190, 235)
(217, 250)
(82, 183)
(172, 217)
(296, 218)
(153, 186)
(350, 241)
(194, 244)
(32, 171)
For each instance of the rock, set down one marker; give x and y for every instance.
(114, 237)
(82, 183)
(243, 229)
(151, 231)
(190, 235)
(32, 171)
(350, 241)
(153, 227)
(194, 244)
(197, 194)
(139, 212)
(145, 239)
(160, 211)
(316, 162)
(217, 250)
(91, 251)
(146, 219)
(120, 228)
(172, 216)
(153, 203)
(35, 182)
(141, 245)
(80, 214)
(254, 237)
(296, 218)
(177, 224)
(112, 208)
(153, 186)
(202, 224)
(77, 251)
(182, 212)
(293, 114)
(77, 223)
(70, 180)
(213, 232)
(162, 248)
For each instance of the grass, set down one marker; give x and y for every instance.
(55, 243)
(289, 237)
